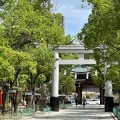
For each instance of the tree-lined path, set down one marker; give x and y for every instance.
(92, 112)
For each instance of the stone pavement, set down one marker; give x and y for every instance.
(92, 112)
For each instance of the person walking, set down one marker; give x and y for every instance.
(84, 102)
(76, 101)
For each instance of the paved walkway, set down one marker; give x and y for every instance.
(92, 112)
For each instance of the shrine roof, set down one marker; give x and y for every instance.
(81, 69)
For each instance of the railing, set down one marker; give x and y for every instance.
(14, 116)
(19, 115)
(48, 109)
(116, 112)
(65, 106)
(29, 112)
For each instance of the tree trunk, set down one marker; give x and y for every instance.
(5, 99)
(17, 99)
(32, 98)
(17, 95)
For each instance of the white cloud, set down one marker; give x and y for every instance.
(74, 16)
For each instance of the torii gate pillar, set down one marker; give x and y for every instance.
(54, 100)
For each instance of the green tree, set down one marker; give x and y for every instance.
(7, 70)
(44, 58)
(67, 83)
(27, 26)
(101, 33)
(12, 63)
(22, 63)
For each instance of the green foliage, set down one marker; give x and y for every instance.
(6, 68)
(12, 60)
(23, 81)
(101, 33)
(98, 80)
(114, 74)
(7, 71)
(22, 24)
(67, 83)
(88, 96)
(25, 26)
(3, 41)
(45, 59)
(28, 24)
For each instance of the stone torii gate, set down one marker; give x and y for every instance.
(81, 50)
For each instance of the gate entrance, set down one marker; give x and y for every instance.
(86, 85)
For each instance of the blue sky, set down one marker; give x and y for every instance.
(74, 16)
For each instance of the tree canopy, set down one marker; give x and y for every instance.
(27, 29)
(101, 33)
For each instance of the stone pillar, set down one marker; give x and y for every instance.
(108, 97)
(54, 100)
(108, 89)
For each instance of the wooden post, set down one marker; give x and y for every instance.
(80, 94)
(101, 95)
